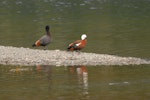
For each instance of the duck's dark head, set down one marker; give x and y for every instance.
(47, 28)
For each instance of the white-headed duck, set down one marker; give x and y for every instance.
(79, 44)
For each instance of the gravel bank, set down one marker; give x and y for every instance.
(26, 56)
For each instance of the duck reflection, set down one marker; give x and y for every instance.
(20, 69)
(39, 68)
(38, 71)
(44, 68)
(48, 70)
(82, 76)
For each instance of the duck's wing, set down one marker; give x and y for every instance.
(74, 43)
(45, 40)
(74, 46)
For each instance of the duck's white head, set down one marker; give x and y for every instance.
(83, 36)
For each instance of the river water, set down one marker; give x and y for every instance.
(116, 27)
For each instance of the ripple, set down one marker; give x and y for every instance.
(19, 3)
(119, 83)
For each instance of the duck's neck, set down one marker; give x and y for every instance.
(84, 41)
(48, 33)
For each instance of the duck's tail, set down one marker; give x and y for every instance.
(68, 49)
(71, 48)
(37, 43)
(34, 45)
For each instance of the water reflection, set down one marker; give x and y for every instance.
(20, 69)
(82, 76)
(38, 68)
(47, 69)
(39, 72)
(72, 82)
(44, 68)
(52, 77)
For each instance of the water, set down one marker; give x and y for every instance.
(74, 82)
(118, 27)
(113, 26)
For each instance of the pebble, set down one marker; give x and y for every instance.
(26, 56)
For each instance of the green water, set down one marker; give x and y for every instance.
(74, 83)
(118, 27)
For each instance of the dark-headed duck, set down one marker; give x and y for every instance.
(45, 39)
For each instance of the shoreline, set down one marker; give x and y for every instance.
(25, 56)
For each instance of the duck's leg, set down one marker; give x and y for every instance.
(78, 51)
(45, 48)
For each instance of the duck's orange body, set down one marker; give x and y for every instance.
(77, 45)
(38, 43)
(82, 69)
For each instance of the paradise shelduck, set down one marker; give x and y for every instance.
(79, 44)
(45, 39)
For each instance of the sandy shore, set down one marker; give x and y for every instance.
(25, 56)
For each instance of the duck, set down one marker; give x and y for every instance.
(45, 39)
(79, 44)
